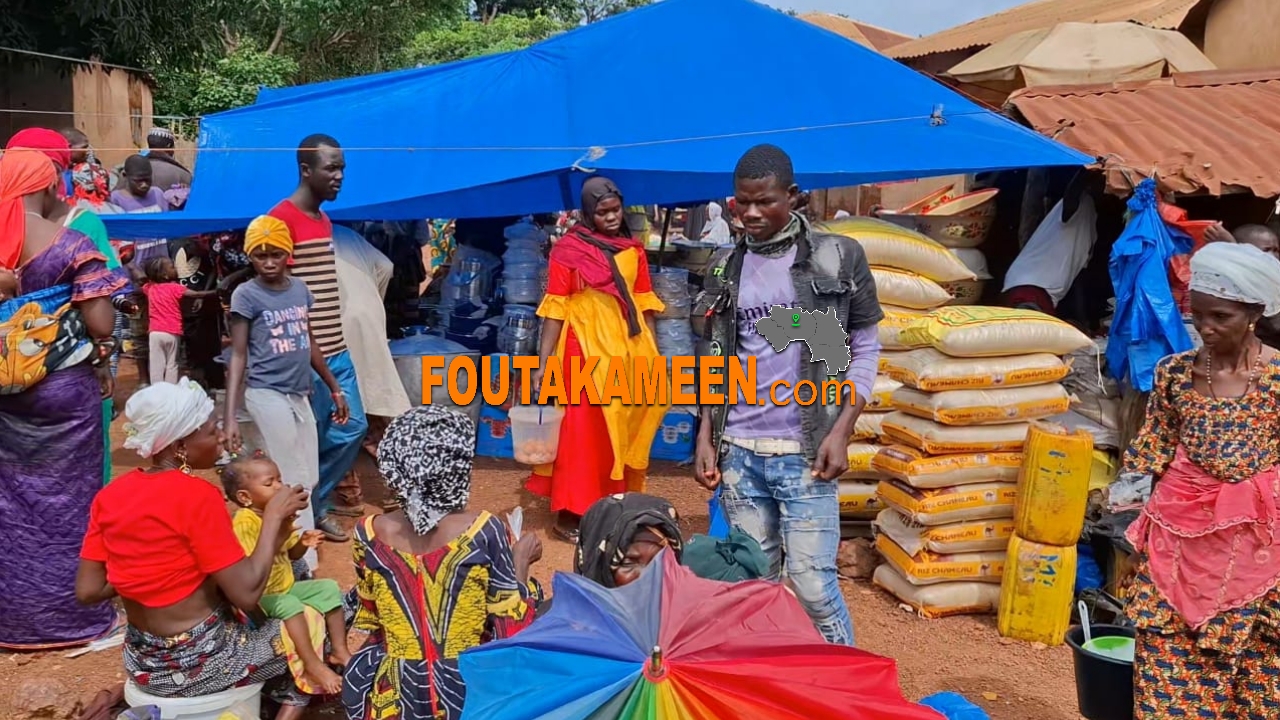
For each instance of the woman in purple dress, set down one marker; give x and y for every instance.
(53, 377)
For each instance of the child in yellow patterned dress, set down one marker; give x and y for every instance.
(251, 483)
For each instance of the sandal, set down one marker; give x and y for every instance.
(332, 532)
(569, 535)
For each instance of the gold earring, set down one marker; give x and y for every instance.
(182, 459)
(1252, 325)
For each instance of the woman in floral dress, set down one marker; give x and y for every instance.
(1205, 599)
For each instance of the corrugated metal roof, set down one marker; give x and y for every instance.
(1160, 14)
(866, 35)
(1216, 132)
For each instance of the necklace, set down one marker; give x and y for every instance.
(1254, 374)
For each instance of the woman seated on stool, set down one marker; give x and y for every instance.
(161, 539)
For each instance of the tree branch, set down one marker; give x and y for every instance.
(279, 37)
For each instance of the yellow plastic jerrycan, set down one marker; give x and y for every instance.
(1036, 591)
(1053, 484)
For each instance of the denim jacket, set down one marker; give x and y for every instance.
(829, 271)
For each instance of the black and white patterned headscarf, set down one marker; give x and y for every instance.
(425, 457)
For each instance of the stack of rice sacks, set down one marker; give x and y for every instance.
(907, 268)
(975, 380)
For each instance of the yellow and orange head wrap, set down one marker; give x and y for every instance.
(268, 231)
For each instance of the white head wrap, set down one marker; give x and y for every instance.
(164, 413)
(1241, 273)
(716, 230)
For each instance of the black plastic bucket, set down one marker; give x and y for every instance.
(1104, 686)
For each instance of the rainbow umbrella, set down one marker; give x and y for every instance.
(672, 646)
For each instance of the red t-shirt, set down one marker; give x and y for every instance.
(164, 306)
(315, 264)
(160, 535)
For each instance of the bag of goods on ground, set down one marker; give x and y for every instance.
(867, 426)
(997, 406)
(966, 503)
(896, 319)
(1053, 486)
(933, 371)
(860, 456)
(1103, 437)
(976, 331)
(938, 439)
(909, 290)
(889, 245)
(975, 536)
(941, 600)
(858, 499)
(929, 472)
(926, 568)
(882, 395)
(1036, 592)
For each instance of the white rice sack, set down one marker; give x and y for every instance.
(889, 245)
(933, 371)
(896, 319)
(938, 439)
(909, 290)
(962, 537)
(858, 499)
(975, 260)
(882, 395)
(930, 472)
(976, 331)
(926, 568)
(941, 600)
(943, 506)
(868, 426)
(860, 456)
(997, 406)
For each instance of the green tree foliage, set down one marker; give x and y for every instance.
(472, 38)
(224, 83)
(138, 33)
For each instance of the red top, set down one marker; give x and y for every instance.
(164, 306)
(302, 227)
(160, 535)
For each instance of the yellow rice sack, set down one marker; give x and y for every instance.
(860, 457)
(896, 319)
(1036, 592)
(938, 439)
(867, 427)
(975, 331)
(882, 395)
(1053, 487)
(997, 406)
(858, 500)
(981, 501)
(905, 289)
(929, 472)
(889, 245)
(962, 537)
(942, 600)
(926, 568)
(932, 371)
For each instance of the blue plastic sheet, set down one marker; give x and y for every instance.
(719, 523)
(1147, 324)
(519, 132)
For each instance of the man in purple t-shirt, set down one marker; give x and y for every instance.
(777, 462)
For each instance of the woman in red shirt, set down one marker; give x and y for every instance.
(160, 538)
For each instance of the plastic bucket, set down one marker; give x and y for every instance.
(1104, 686)
(242, 703)
(535, 433)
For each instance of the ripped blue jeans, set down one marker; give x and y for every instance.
(775, 499)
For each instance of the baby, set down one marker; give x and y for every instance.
(8, 284)
(251, 483)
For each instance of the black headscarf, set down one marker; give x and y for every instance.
(613, 524)
(589, 264)
(593, 191)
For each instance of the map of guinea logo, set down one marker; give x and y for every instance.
(821, 331)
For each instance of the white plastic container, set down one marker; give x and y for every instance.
(535, 433)
(242, 703)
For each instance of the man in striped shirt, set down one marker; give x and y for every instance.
(320, 169)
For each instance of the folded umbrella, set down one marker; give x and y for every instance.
(672, 646)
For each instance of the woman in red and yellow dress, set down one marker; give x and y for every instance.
(599, 304)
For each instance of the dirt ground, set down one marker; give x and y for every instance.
(1011, 681)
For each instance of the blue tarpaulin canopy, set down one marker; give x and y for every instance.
(513, 133)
